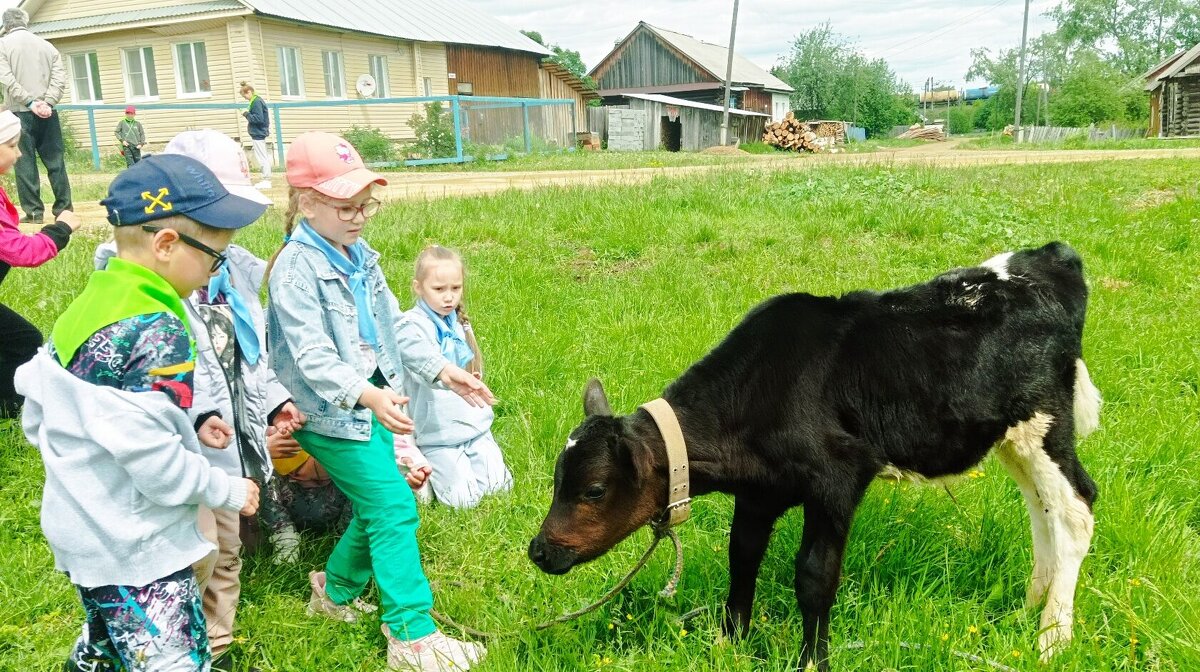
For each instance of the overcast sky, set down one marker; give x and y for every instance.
(919, 38)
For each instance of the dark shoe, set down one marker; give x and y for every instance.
(230, 661)
(10, 407)
(30, 219)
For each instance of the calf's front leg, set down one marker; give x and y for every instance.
(818, 572)
(748, 537)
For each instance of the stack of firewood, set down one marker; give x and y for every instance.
(919, 132)
(794, 135)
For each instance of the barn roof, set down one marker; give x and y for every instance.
(712, 58)
(1171, 67)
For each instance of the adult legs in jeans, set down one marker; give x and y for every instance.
(381, 540)
(41, 138)
(19, 341)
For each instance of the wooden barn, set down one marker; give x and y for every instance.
(1174, 87)
(636, 121)
(652, 60)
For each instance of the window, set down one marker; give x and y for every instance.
(191, 70)
(85, 78)
(427, 86)
(291, 79)
(141, 80)
(379, 71)
(335, 78)
(466, 89)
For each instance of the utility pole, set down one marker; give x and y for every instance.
(1021, 75)
(728, 77)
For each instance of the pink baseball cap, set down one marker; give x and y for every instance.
(223, 156)
(328, 164)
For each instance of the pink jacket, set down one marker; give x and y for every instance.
(19, 249)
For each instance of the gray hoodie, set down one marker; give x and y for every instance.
(124, 478)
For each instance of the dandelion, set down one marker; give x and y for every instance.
(972, 629)
(683, 632)
(975, 473)
(1133, 640)
(1016, 653)
(611, 626)
(945, 636)
(1135, 582)
(629, 617)
(763, 618)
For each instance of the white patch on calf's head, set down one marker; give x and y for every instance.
(999, 265)
(570, 443)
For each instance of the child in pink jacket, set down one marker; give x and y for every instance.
(19, 339)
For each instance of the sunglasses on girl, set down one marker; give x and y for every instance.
(219, 258)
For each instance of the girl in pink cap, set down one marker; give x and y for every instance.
(19, 340)
(336, 343)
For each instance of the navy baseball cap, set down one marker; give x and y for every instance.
(165, 185)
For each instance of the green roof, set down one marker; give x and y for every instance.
(135, 16)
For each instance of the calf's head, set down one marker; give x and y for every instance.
(606, 485)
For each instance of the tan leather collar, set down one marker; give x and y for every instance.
(679, 503)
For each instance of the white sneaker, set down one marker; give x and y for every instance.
(320, 604)
(432, 653)
(263, 185)
(286, 546)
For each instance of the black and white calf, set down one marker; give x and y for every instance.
(810, 398)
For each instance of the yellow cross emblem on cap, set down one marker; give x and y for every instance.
(158, 201)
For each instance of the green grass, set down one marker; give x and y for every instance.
(632, 284)
(586, 160)
(997, 141)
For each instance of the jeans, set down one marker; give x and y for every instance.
(41, 137)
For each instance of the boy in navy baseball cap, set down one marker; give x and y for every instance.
(124, 471)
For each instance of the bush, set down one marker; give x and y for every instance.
(371, 143)
(961, 119)
(434, 131)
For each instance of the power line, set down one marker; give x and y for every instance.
(937, 32)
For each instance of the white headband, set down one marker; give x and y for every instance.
(10, 126)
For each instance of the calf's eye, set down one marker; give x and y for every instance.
(594, 492)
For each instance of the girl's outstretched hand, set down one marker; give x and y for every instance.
(385, 404)
(467, 386)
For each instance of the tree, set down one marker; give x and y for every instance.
(1131, 35)
(569, 59)
(833, 80)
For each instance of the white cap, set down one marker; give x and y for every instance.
(223, 156)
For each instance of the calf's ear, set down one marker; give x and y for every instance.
(594, 401)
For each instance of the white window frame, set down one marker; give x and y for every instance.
(179, 74)
(298, 61)
(427, 86)
(94, 83)
(141, 52)
(334, 88)
(382, 84)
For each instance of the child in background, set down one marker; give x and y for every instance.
(132, 136)
(336, 344)
(454, 436)
(106, 405)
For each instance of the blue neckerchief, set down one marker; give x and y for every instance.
(243, 323)
(356, 276)
(454, 348)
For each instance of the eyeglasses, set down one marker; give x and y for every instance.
(347, 213)
(219, 258)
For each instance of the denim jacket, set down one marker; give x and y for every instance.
(312, 333)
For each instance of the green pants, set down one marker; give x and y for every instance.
(381, 540)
